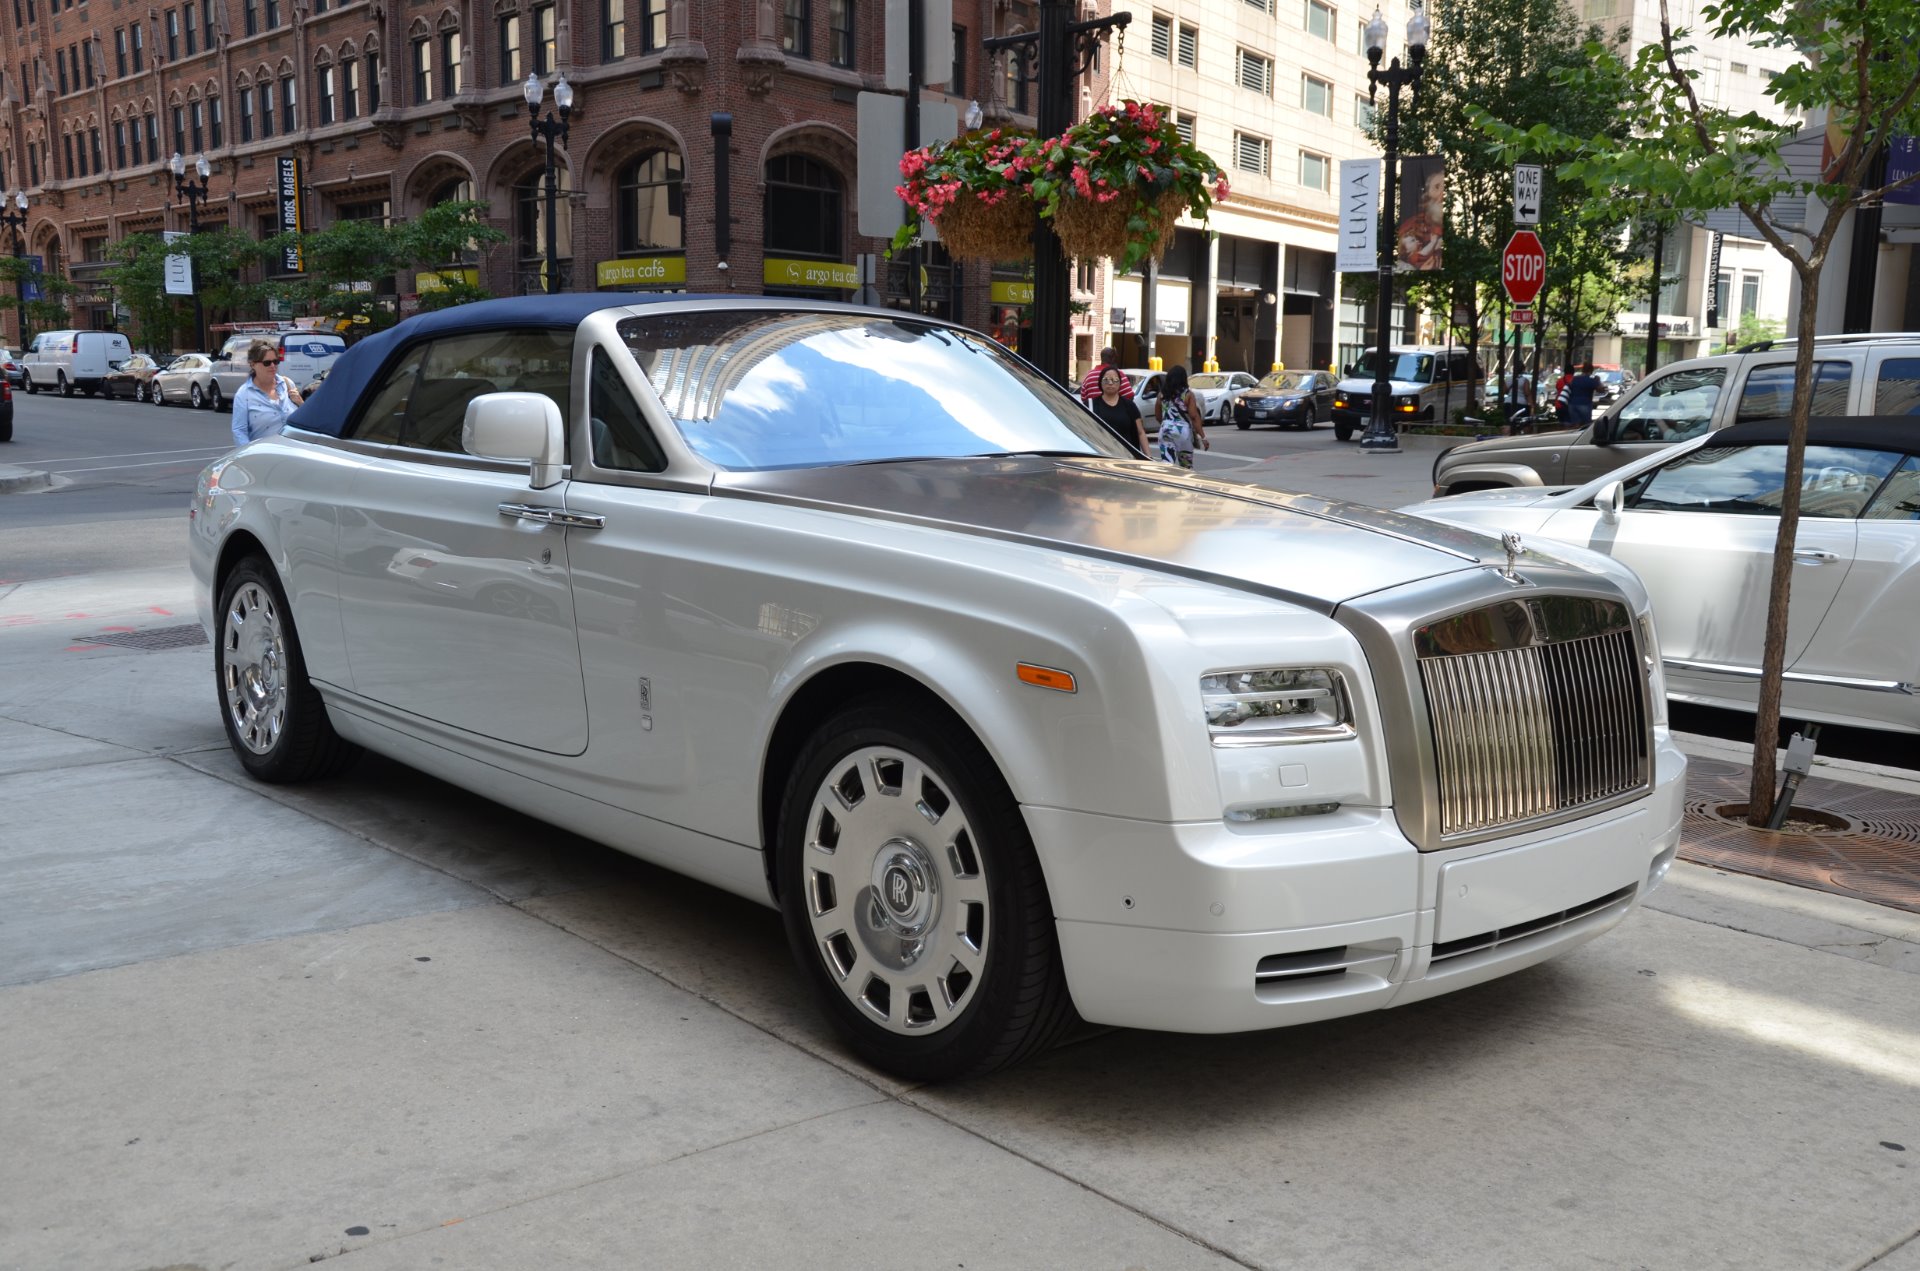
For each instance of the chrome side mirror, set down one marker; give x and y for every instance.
(517, 426)
(1608, 502)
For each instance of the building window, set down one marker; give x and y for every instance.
(326, 95)
(93, 144)
(208, 31)
(1265, 6)
(1315, 169)
(139, 49)
(1186, 126)
(1749, 295)
(153, 137)
(796, 33)
(60, 65)
(450, 69)
(173, 35)
(1362, 113)
(273, 14)
(216, 122)
(957, 77)
(33, 165)
(265, 93)
(289, 119)
(199, 127)
(179, 130)
(1316, 96)
(1256, 73)
(120, 145)
(187, 29)
(840, 32)
(651, 210)
(613, 30)
(67, 145)
(120, 53)
(805, 209)
(1321, 19)
(350, 90)
(546, 40)
(1722, 292)
(246, 115)
(1188, 50)
(530, 221)
(373, 81)
(378, 211)
(1250, 153)
(251, 17)
(423, 70)
(510, 50)
(653, 24)
(133, 139)
(1162, 38)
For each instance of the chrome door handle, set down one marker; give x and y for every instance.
(1814, 556)
(546, 515)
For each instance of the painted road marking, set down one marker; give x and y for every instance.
(139, 454)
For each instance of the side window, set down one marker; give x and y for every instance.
(460, 368)
(1897, 392)
(1747, 481)
(617, 431)
(1768, 393)
(1899, 498)
(385, 414)
(1672, 408)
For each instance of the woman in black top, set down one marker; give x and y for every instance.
(1120, 414)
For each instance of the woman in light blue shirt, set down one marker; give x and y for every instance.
(261, 407)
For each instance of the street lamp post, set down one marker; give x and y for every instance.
(14, 216)
(195, 193)
(550, 129)
(1380, 438)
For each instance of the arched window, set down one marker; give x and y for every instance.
(652, 213)
(458, 190)
(805, 208)
(421, 45)
(530, 225)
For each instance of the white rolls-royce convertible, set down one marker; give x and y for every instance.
(855, 614)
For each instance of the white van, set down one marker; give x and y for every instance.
(303, 355)
(62, 361)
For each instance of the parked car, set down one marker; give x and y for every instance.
(187, 380)
(1697, 522)
(1187, 758)
(303, 354)
(11, 368)
(1427, 385)
(130, 377)
(70, 361)
(6, 411)
(1146, 395)
(1614, 380)
(1216, 390)
(1286, 399)
(1853, 375)
(312, 386)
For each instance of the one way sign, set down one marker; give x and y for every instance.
(1526, 194)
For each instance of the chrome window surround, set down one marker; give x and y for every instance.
(1385, 624)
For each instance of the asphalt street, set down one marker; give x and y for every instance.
(386, 1023)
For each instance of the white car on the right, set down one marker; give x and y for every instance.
(1697, 522)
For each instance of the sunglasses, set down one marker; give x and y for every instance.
(269, 361)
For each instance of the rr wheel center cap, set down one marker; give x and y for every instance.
(906, 890)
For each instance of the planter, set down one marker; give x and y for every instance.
(975, 229)
(1088, 227)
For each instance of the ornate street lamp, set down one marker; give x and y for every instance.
(195, 193)
(1380, 438)
(551, 129)
(13, 214)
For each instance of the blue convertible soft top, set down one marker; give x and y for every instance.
(356, 368)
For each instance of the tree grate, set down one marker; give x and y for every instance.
(152, 639)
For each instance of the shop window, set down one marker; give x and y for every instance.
(651, 208)
(805, 208)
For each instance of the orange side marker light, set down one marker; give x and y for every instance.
(1045, 677)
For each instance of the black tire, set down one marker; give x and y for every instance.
(304, 747)
(213, 398)
(63, 384)
(1342, 432)
(195, 398)
(91, 391)
(6, 427)
(33, 390)
(1241, 425)
(1017, 1005)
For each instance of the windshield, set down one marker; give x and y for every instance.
(1411, 368)
(1282, 382)
(1208, 380)
(754, 390)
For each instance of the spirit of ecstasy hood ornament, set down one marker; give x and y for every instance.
(1511, 542)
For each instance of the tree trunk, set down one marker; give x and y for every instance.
(1766, 719)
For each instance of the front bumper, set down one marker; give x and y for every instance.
(1215, 928)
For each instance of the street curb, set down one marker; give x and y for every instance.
(17, 480)
(1850, 771)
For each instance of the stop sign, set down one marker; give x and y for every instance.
(1523, 266)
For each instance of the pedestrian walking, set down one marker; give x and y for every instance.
(1580, 391)
(1090, 386)
(261, 407)
(1115, 408)
(1560, 391)
(1181, 426)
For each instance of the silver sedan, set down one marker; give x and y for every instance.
(186, 381)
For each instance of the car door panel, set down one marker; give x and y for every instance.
(455, 611)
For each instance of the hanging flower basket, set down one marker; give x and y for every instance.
(976, 189)
(973, 228)
(1115, 183)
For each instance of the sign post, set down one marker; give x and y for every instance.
(1526, 194)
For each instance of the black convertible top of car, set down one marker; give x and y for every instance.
(1869, 432)
(359, 365)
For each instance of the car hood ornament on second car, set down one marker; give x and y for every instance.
(1511, 542)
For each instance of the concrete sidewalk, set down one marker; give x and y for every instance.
(384, 1022)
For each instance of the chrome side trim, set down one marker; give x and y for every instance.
(546, 515)
(1798, 677)
(1320, 732)
(409, 454)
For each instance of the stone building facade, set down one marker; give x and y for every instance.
(391, 106)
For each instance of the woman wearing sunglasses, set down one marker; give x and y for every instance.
(261, 407)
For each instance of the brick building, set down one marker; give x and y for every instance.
(392, 106)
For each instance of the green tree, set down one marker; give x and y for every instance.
(349, 263)
(48, 313)
(1858, 70)
(224, 262)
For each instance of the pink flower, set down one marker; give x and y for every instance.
(1220, 190)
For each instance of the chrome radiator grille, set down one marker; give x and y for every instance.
(1538, 707)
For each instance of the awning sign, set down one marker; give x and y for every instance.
(778, 272)
(642, 271)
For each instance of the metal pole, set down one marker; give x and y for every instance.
(193, 227)
(1051, 278)
(1379, 437)
(553, 235)
(916, 71)
(20, 284)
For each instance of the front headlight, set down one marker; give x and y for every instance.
(1275, 706)
(1655, 669)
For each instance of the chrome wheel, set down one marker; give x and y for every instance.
(194, 396)
(253, 661)
(140, 391)
(894, 892)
